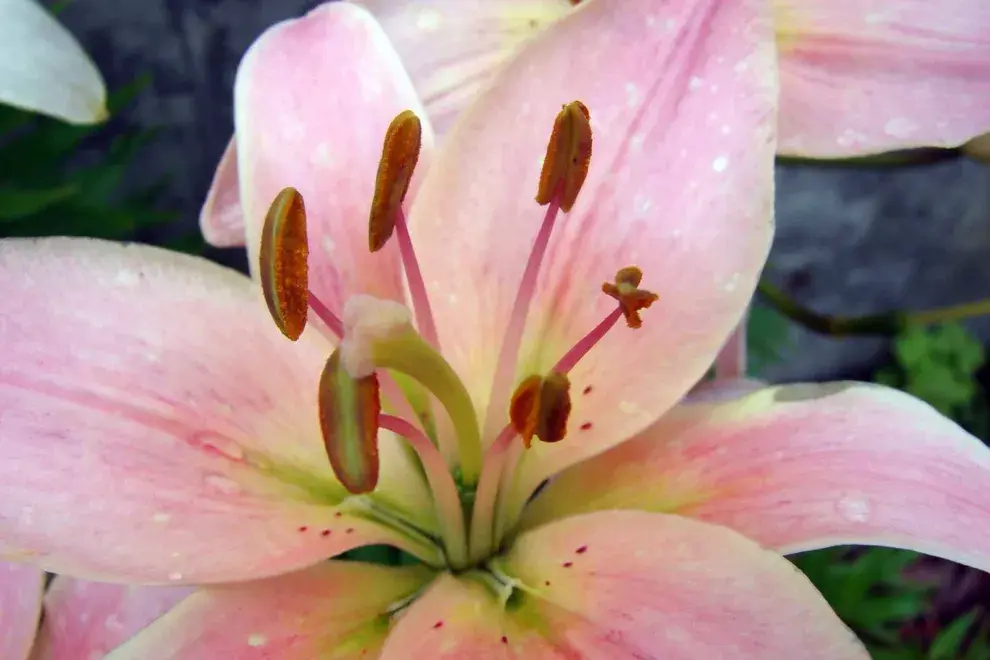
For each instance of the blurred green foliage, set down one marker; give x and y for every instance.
(768, 338)
(61, 180)
(939, 364)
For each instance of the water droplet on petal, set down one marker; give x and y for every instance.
(223, 484)
(854, 508)
(175, 576)
(256, 639)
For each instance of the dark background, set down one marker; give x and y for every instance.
(848, 241)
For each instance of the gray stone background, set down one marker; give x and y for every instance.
(850, 242)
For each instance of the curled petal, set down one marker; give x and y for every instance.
(21, 590)
(860, 77)
(43, 68)
(305, 121)
(90, 619)
(453, 48)
(334, 610)
(627, 584)
(681, 98)
(157, 428)
(222, 219)
(799, 467)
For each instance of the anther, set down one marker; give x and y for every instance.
(631, 298)
(283, 263)
(568, 157)
(395, 170)
(540, 407)
(349, 411)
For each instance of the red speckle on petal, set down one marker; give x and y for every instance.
(303, 528)
(587, 390)
(586, 426)
(568, 564)
(325, 532)
(505, 640)
(438, 624)
(583, 549)
(547, 583)
(349, 530)
(337, 514)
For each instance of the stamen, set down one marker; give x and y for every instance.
(403, 141)
(349, 411)
(631, 299)
(284, 268)
(284, 263)
(540, 406)
(509, 503)
(565, 168)
(442, 485)
(568, 157)
(400, 153)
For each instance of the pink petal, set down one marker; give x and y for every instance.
(156, 426)
(222, 218)
(862, 76)
(800, 467)
(628, 584)
(453, 48)
(334, 610)
(680, 184)
(21, 589)
(90, 619)
(314, 97)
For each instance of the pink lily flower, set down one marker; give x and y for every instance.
(157, 429)
(81, 619)
(856, 76)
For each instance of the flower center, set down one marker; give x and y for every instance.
(386, 374)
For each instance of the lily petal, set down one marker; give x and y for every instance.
(304, 119)
(44, 69)
(222, 219)
(90, 619)
(800, 467)
(628, 584)
(334, 610)
(860, 77)
(453, 48)
(156, 426)
(21, 590)
(680, 184)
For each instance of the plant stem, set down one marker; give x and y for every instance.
(889, 323)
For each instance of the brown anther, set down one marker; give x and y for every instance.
(349, 409)
(283, 263)
(631, 298)
(568, 157)
(395, 170)
(540, 406)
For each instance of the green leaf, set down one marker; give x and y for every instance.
(17, 204)
(948, 644)
(767, 336)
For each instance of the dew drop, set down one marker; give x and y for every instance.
(175, 576)
(222, 484)
(256, 639)
(854, 509)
